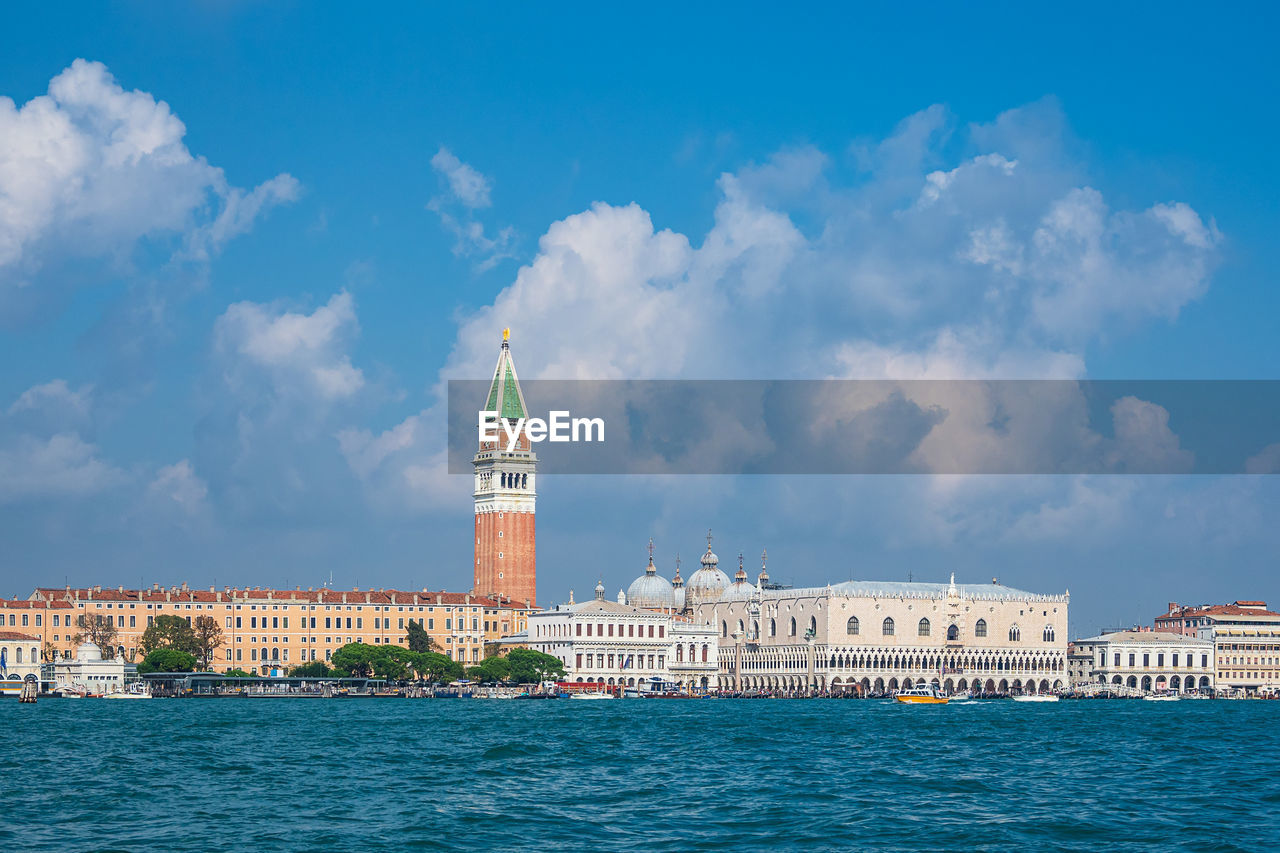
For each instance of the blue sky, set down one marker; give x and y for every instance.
(221, 342)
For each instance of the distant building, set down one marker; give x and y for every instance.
(1246, 638)
(1151, 661)
(89, 671)
(266, 630)
(19, 661)
(614, 643)
(1188, 619)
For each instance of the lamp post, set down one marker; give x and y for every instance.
(810, 682)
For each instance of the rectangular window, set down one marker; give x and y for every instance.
(610, 629)
(579, 660)
(275, 621)
(401, 621)
(55, 620)
(38, 618)
(24, 619)
(253, 621)
(579, 629)
(238, 623)
(431, 624)
(661, 633)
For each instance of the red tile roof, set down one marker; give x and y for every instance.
(14, 635)
(59, 596)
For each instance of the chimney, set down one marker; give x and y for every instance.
(438, 598)
(1173, 605)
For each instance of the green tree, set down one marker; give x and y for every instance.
(167, 660)
(528, 666)
(169, 632)
(491, 669)
(419, 640)
(356, 659)
(207, 635)
(313, 669)
(435, 667)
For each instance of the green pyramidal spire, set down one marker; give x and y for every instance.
(505, 396)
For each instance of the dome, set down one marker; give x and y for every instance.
(651, 591)
(708, 583)
(88, 652)
(741, 589)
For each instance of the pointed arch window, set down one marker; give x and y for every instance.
(852, 626)
(886, 627)
(923, 628)
(793, 626)
(1014, 634)
(1048, 633)
(773, 627)
(980, 629)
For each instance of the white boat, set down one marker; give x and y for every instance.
(1035, 697)
(591, 695)
(131, 692)
(1165, 697)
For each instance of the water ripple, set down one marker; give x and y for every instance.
(708, 775)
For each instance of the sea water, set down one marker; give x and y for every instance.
(400, 774)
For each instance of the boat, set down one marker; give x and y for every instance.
(1035, 697)
(1161, 697)
(591, 695)
(925, 695)
(133, 691)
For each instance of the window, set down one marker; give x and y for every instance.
(773, 628)
(1048, 633)
(953, 633)
(1014, 634)
(852, 626)
(980, 630)
(886, 627)
(724, 628)
(793, 626)
(923, 628)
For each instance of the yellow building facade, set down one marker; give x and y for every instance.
(266, 630)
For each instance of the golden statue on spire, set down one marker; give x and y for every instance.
(506, 335)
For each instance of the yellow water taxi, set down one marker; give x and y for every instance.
(923, 695)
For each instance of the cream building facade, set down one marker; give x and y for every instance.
(266, 631)
(1149, 661)
(89, 671)
(19, 660)
(613, 643)
(881, 637)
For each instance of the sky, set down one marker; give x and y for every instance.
(243, 246)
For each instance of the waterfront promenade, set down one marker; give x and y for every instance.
(723, 775)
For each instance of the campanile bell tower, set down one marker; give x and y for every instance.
(505, 495)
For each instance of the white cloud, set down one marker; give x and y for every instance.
(1143, 440)
(57, 397)
(468, 185)
(178, 485)
(63, 465)
(301, 354)
(90, 170)
(1265, 461)
(1003, 263)
(467, 191)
